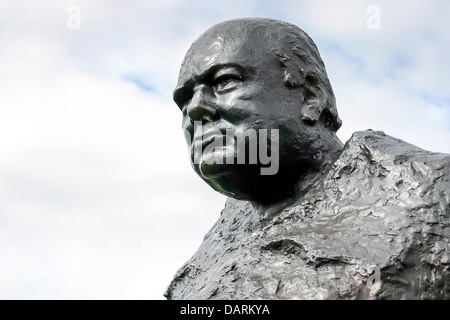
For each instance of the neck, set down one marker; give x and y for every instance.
(269, 209)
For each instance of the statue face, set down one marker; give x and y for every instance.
(234, 83)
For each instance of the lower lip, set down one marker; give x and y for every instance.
(221, 152)
(204, 142)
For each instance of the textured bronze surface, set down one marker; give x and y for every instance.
(368, 220)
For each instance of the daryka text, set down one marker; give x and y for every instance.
(238, 309)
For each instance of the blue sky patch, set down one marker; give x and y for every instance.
(139, 81)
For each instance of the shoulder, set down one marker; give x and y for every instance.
(381, 147)
(412, 183)
(414, 171)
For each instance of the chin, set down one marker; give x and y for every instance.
(236, 181)
(214, 164)
(212, 171)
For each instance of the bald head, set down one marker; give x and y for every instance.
(252, 39)
(248, 76)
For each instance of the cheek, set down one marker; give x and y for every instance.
(294, 135)
(188, 130)
(248, 93)
(239, 111)
(188, 137)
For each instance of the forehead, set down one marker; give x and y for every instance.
(222, 47)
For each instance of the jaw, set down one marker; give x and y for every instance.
(245, 182)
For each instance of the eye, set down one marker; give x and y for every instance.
(226, 83)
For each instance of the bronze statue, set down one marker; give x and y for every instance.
(306, 217)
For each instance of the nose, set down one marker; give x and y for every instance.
(201, 106)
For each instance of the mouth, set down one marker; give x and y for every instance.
(209, 138)
(211, 135)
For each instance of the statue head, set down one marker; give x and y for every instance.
(255, 95)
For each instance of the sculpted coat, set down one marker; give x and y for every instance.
(376, 227)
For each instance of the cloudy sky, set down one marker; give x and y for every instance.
(97, 197)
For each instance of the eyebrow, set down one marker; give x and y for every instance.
(181, 91)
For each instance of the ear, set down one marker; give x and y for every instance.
(314, 99)
(294, 78)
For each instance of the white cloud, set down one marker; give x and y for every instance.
(97, 197)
